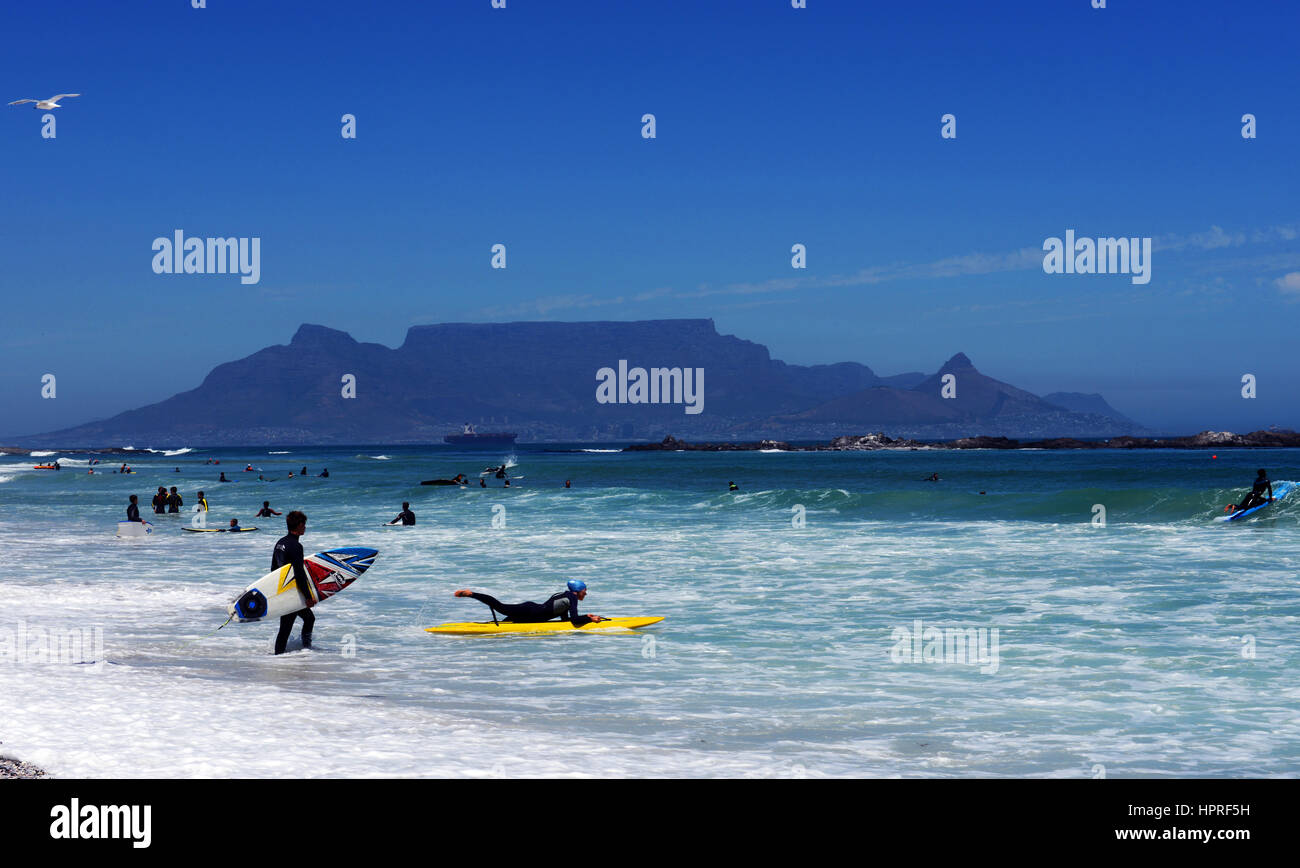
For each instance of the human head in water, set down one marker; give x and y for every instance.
(1262, 473)
(579, 588)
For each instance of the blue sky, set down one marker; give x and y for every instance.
(775, 126)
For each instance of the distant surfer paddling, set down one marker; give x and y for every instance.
(563, 605)
(289, 551)
(1257, 496)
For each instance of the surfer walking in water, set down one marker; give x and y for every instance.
(563, 605)
(405, 517)
(1256, 495)
(133, 510)
(289, 551)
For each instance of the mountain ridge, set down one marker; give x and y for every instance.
(540, 379)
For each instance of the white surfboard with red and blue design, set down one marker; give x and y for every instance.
(276, 593)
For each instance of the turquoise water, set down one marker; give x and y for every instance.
(1163, 643)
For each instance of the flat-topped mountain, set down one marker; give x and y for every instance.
(540, 379)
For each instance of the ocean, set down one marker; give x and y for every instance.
(835, 616)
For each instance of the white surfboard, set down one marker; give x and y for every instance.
(276, 593)
(134, 528)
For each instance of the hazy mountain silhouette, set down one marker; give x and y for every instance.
(539, 379)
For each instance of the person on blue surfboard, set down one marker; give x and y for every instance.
(1256, 496)
(563, 605)
(288, 550)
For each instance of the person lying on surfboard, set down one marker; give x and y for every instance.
(563, 605)
(1256, 495)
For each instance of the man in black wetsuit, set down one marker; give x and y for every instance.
(174, 501)
(289, 551)
(405, 517)
(266, 511)
(133, 510)
(1256, 496)
(563, 605)
(160, 501)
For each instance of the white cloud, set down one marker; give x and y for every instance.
(968, 265)
(1289, 283)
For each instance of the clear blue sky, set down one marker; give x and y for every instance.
(775, 126)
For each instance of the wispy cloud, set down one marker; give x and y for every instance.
(967, 265)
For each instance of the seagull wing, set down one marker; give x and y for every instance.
(21, 101)
(59, 96)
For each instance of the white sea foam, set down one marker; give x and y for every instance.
(1122, 646)
(43, 454)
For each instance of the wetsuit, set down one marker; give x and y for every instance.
(289, 551)
(159, 503)
(132, 512)
(266, 512)
(1257, 496)
(563, 605)
(501, 474)
(174, 503)
(406, 517)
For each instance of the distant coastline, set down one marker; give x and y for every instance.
(873, 442)
(1271, 439)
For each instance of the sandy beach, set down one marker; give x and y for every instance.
(12, 768)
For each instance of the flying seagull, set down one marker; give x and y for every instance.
(51, 103)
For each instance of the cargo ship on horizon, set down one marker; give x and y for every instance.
(469, 437)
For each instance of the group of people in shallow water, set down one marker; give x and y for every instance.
(324, 474)
(563, 605)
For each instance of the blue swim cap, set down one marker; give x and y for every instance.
(576, 585)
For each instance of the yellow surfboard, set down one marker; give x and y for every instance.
(481, 628)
